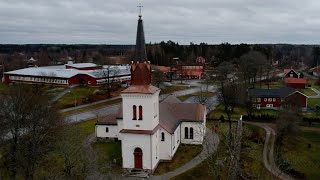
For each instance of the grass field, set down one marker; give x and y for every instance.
(51, 167)
(3, 87)
(301, 158)
(251, 158)
(313, 84)
(109, 156)
(308, 92)
(219, 110)
(76, 95)
(184, 154)
(313, 102)
(273, 85)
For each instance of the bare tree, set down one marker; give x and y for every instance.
(109, 74)
(75, 163)
(30, 125)
(250, 65)
(158, 78)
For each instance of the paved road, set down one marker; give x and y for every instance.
(268, 149)
(90, 114)
(316, 91)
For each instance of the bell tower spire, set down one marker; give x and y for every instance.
(140, 50)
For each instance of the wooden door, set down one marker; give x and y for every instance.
(137, 158)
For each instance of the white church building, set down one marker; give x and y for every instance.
(151, 131)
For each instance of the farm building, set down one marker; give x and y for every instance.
(69, 74)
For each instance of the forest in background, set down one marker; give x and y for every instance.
(15, 56)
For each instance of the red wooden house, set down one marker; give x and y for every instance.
(296, 83)
(274, 98)
(299, 99)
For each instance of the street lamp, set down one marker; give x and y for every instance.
(75, 98)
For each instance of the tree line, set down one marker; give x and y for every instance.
(158, 53)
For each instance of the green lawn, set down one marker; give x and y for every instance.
(308, 92)
(53, 91)
(273, 85)
(100, 105)
(313, 84)
(51, 167)
(301, 158)
(252, 153)
(251, 158)
(219, 110)
(184, 154)
(109, 156)
(313, 102)
(76, 95)
(3, 87)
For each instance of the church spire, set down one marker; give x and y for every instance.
(140, 50)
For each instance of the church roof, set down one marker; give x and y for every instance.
(173, 113)
(108, 120)
(143, 89)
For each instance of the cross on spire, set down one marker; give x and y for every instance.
(140, 7)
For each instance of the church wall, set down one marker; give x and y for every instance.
(198, 132)
(120, 127)
(129, 143)
(113, 131)
(155, 149)
(175, 139)
(148, 102)
(165, 146)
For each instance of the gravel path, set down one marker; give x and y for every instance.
(268, 156)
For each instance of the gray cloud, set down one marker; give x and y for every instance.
(114, 21)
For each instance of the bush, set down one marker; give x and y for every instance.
(262, 117)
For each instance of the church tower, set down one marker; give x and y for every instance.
(141, 99)
(140, 104)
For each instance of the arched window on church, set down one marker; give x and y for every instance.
(140, 112)
(186, 133)
(162, 136)
(134, 109)
(191, 133)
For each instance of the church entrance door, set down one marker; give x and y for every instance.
(137, 158)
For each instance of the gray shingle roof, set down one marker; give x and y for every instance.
(282, 92)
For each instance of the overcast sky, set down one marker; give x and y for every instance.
(183, 21)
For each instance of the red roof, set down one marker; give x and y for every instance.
(295, 81)
(163, 69)
(286, 71)
(143, 89)
(133, 131)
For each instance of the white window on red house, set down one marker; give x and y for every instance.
(265, 99)
(274, 99)
(270, 99)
